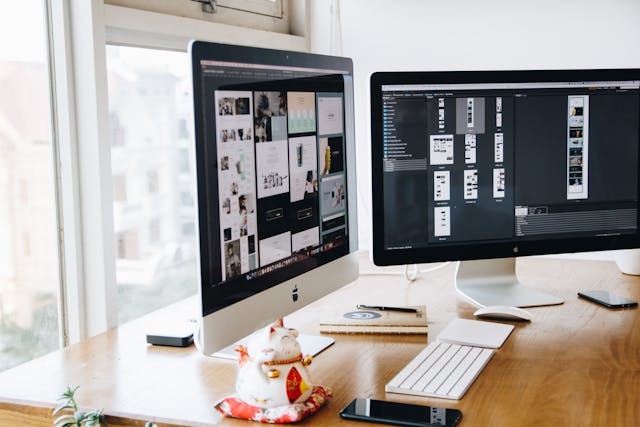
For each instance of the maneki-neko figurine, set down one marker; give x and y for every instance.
(273, 383)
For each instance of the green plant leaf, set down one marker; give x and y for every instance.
(77, 418)
(95, 415)
(64, 418)
(93, 418)
(69, 392)
(67, 400)
(61, 408)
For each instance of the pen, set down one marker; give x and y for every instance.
(383, 308)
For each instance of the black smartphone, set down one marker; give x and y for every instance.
(608, 299)
(402, 414)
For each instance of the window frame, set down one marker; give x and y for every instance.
(267, 15)
(135, 27)
(79, 33)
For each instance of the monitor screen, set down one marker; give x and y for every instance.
(272, 131)
(497, 164)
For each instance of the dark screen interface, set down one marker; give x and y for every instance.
(509, 162)
(275, 173)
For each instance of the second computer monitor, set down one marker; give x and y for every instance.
(483, 165)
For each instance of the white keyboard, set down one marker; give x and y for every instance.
(441, 370)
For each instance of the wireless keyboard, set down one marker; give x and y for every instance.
(441, 370)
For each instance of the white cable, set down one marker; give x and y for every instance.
(405, 272)
(413, 276)
(197, 339)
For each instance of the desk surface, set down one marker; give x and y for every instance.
(574, 364)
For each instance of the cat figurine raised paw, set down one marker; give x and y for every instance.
(273, 371)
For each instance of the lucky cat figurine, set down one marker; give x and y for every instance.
(272, 369)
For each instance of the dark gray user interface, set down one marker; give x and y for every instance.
(508, 162)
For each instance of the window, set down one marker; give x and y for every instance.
(116, 131)
(23, 193)
(186, 199)
(189, 229)
(119, 188)
(185, 165)
(29, 280)
(153, 183)
(183, 129)
(127, 245)
(26, 242)
(150, 102)
(155, 230)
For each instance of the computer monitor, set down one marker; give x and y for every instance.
(275, 184)
(486, 166)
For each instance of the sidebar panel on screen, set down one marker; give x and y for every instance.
(404, 169)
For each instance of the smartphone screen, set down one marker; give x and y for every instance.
(608, 299)
(402, 414)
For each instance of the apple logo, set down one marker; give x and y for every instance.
(294, 294)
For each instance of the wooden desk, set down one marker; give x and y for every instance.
(576, 364)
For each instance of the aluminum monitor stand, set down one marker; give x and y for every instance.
(494, 282)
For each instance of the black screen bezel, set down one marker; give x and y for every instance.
(479, 250)
(213, 300)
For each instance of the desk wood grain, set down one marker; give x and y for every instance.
(574, 364)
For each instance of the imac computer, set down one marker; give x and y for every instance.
(275, 184)
(483, 167)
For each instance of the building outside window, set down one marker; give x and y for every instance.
(150, 105)
(29, 278)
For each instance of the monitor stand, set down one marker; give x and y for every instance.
(494, 282)
(309, 344)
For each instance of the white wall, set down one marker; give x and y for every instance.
(471, 35)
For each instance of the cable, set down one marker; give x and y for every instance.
(413, 276)
(410, 277)
(197, 339)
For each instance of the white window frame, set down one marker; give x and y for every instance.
(269, 15)
(80, 31)
(135, 27)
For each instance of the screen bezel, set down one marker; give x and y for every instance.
(199, 51)
(478, 250)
